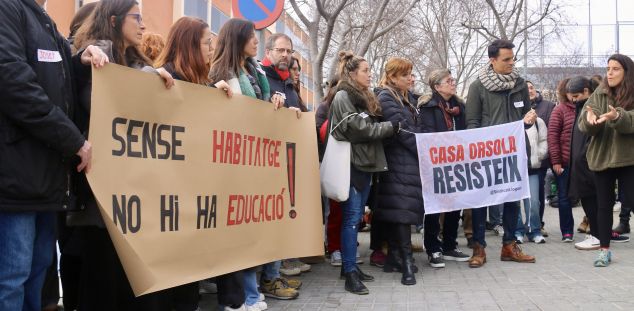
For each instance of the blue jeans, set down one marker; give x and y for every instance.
(352, 211)
(27, 243)
(531, 209)
(509, 222)
(251, 293)
(566, 222)
(495, 214)
(271, 270)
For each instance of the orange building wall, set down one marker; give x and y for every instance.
(158, 16)
(62, 12)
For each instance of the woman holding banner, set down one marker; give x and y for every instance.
(234, 61)
(442, 111)
(400, 201)
(115, 27)
(354, 115)
(608, 117)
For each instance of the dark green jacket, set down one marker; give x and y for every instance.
(486, 108)
(612, 142)
(363, 131)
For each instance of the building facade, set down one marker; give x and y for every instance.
(159, 15)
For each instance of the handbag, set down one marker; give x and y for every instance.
(334, 171)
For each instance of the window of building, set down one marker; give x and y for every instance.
(218, 18)
(196, 8)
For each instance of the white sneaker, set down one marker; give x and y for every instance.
(262, 297)
(298, 264)
(588, 244)
(335, 259)
(498, 230)
(289, 270)
(258, 306)
(519, 239)
(359, 260)
(539, 240)
(240, 308)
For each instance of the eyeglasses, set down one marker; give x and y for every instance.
(138, 17)
(449, 81)
(282, 50)
(207, 43)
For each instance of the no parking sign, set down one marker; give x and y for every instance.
(262, 13)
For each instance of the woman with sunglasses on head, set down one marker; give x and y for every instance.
(608, 117)
(354, 116)
(116, 28)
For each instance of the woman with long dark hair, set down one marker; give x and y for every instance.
(607, 116)
(115, 27)
(354, 115)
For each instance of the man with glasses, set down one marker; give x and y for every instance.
(276, 64)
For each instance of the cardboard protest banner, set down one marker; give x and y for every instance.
(193, 185)
(473, 168)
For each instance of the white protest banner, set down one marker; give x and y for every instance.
(473, 168)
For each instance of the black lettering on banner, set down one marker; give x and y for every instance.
(478, 181)
(439, 185)
(123, 212)
(461, 184)
(487, 164)
(449, 179)
(206, 212)
(497, 171)
(515, 172)
(151, 135)
(169, 212)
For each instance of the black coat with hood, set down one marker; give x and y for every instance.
(283, 86)
(37, 135)
(400, 197)
(581, 177)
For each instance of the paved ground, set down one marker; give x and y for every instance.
(562, 279)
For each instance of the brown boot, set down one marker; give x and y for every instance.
(583, 226)
(513, 252)
(479, 256)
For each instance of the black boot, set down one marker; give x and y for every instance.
(354, 284)
(362, 276)
(622, 227)
(409, 276)
(393, 261)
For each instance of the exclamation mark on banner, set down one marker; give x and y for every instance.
(290, 168)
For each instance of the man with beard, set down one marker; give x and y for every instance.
(279, 50)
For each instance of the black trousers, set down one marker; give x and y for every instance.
(399, 236)
(104, 285)
(590, 207)
(626, 210)
(378, 234)
(449, 232)
(605, 182)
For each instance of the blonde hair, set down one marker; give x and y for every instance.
(395, 67)
(349, 63)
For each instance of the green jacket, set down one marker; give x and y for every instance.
(485, 108)
(363, 131)
(612, 142)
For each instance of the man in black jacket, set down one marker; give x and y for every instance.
(37, 141)
(279, 52)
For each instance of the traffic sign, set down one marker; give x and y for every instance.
(262, 13)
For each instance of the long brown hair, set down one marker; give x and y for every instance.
(78, 19)
(562, 91)
(98, 27)
(349, 63)
(623, 93)
(183, 50)
(395, 67)
(229, 51)
(297, 86)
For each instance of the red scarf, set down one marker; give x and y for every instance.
(284, 74)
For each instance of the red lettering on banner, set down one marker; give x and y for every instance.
(243, 209)
(446, 154)
(248, 150)
(491, 148)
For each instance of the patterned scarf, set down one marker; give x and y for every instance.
(496, 82)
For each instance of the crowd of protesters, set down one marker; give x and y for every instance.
(585, 140)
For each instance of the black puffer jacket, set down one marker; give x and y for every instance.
(432, 118)
(400, 197)
(37, 137)
(581, 178)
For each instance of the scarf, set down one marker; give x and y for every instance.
(284, 74)
(256, 86)
(496, 82)
(448, 112)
